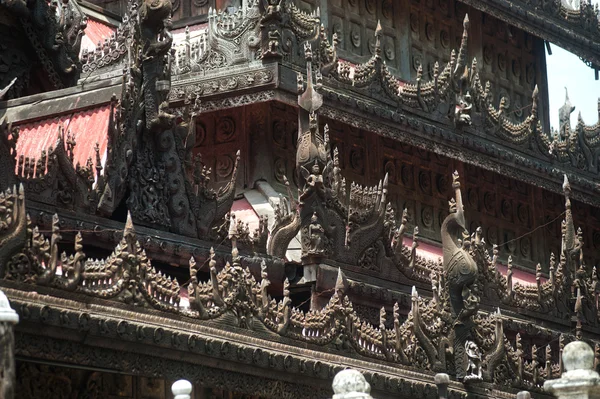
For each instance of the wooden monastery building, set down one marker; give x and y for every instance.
(256, 194)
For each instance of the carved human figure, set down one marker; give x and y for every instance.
(463, 109)
(316, 237)
(473, 372)
(314, 178)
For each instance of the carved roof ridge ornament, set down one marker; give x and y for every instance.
(355, 226)
(421, 341)
(461, 275)
(310, 99)
(149, 155)
(569, 289)
(116, 49)
(7, 88)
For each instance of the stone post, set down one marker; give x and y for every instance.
(579, 380)
(182, 389)
(8, 318)
(442, 380)
(350, 384)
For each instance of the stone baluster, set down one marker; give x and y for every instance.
(579, 379)
(350, 384)
(8, 318)
(182, 389)
(442, 380)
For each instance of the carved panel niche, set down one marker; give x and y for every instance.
(219, 135)
(355, 21)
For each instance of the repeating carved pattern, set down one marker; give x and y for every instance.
(233, 295)
(154, 168)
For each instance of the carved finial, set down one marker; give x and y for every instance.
(566, 186)
(578, 331)
(193, 265)
(263, 270)
(466, 22)
(341, 283)
(382, 318)
(212, 263)
(307, 51)
(455, 180)
(129, 230)
(286, 288)
(310, 100)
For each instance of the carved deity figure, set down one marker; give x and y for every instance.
(316, 237)
(314, 178)
(461, 276)
(464, 102)
(473, 372)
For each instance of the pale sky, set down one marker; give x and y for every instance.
(567, 70)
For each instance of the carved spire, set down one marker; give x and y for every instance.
(341, 284)
(378, 34)
(310, 100)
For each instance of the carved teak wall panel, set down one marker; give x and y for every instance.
(231, 320)
(421, 33)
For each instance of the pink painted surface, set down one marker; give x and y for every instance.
(97, 31)
(88, 127)
(243, 211)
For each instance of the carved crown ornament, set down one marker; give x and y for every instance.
(447, 332)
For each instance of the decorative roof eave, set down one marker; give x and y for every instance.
(418, 94)
(553, 23)
(128, 279)
(235, 80)
(59, 102)
(172, 341)
(420, 130)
